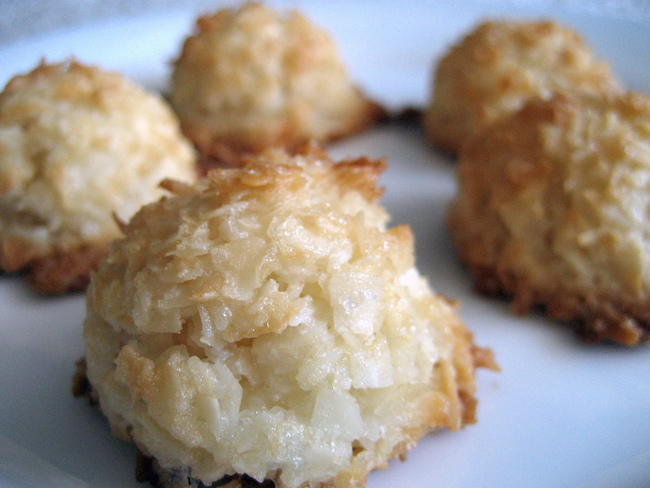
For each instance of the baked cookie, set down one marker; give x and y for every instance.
(552, 210)
(264, 324)
(497, 67)
(252, 78)
(78, 146)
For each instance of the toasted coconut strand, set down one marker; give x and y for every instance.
(174, 186)
(484, 358)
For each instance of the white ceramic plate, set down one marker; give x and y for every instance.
(560, 414)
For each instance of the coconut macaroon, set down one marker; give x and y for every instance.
(552, 210)
(78, 146)
(265, 323)
(252, 78)
(500, 65)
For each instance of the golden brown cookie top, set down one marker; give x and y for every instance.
(555, 199)
(77, 145)
(253, 77)
(500, 65)
(275, 327)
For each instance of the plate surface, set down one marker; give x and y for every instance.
(560, 414)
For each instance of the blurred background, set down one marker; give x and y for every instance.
(29, 18)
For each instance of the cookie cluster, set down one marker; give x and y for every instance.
(553, 160)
